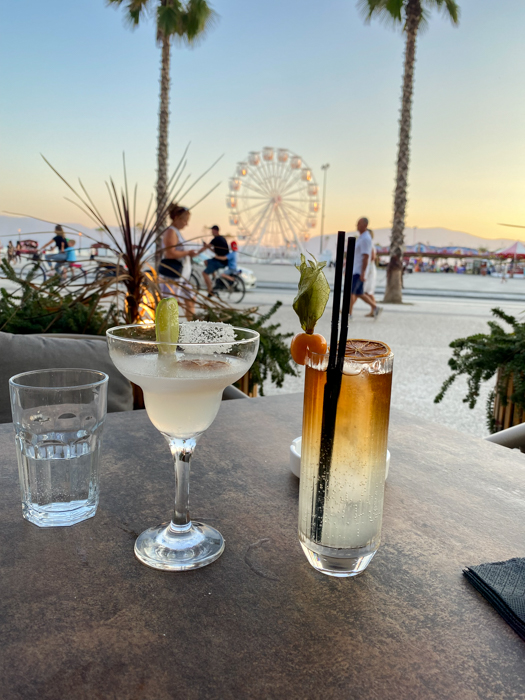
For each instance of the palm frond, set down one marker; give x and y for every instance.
(394, 12)
(387, 11)
(197, 21)
(185, 22)
(449, 8)
(169, 19)
(135, 10)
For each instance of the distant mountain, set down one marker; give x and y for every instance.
(430, 236)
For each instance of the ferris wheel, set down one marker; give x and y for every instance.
(273, 200)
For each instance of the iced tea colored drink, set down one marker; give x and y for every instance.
(341, 498)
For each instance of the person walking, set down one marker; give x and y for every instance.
(219, 245)
(369, 286)
(175, 266)
(363, 252)
(11, 255)
(58, 241)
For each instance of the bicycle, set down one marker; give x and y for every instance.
(70, 273)
(106, 271)
(230, 291)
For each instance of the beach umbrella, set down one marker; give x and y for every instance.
(516, 250)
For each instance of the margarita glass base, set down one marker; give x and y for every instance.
(171, 547)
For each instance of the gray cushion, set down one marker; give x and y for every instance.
(23, 353)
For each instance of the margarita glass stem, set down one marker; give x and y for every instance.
(182, 451)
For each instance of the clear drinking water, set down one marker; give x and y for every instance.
(58, 432)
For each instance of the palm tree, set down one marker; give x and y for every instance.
(185, 22)
(412, 14)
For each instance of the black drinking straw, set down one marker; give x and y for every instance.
(337, 298)
(334, 375)
(350, 253)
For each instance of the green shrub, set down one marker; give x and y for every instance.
(480, 356)
(50, 308)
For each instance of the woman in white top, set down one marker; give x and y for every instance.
(371, 274)
(175, 266)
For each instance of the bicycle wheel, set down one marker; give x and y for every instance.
(194, 281)
(105, 272)
(233, 292)
(33, 272)
(74, 277)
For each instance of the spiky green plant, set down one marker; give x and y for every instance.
(133, 243)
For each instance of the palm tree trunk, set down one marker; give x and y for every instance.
(162, 152)
(394, 275)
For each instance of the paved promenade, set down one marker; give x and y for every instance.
(416, 284)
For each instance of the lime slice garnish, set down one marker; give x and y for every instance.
(167, 325)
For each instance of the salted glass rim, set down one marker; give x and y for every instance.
(103, 379)
(146, 341)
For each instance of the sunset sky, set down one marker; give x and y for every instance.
(77, 86)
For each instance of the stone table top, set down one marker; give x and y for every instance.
(82, 618)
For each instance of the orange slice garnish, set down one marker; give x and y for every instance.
(366, 349)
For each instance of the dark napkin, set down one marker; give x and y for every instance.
(503, 585)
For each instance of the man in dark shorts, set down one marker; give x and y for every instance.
(363, 251)
(220, 247)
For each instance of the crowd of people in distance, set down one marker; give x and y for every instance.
(14, 253)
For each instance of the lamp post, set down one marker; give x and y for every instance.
(324, 168)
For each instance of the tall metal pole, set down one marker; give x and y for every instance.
(324, 168)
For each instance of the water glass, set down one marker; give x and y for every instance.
(58, 417)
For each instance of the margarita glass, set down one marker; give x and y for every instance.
(182, 384)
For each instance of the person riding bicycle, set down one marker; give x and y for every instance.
(220, 247)
(71, 253)
(59, 241)
(232, 263)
